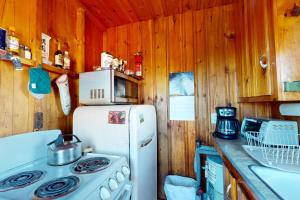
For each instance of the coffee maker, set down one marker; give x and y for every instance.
(227, 126)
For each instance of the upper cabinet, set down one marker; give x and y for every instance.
(287, 42)
(256, 71)
(270, 50)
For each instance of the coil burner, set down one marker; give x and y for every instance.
(57, 188)
(90, 165)
(20, 180)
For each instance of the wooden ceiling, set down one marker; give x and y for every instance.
(111, 13)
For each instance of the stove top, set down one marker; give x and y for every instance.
(57, 188)
(20, 180)
(90, 165)
(70, 182)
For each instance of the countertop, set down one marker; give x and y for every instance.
(240, 160)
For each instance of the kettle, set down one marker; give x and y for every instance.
(61, 152)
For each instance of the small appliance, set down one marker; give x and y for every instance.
(227, 126)
(269, 130)
(107, 87)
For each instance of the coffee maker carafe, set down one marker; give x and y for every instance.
(227, 126)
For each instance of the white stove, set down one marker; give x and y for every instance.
(94, 176)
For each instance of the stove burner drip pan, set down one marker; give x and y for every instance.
(57, 188)
(90, 165)
(20, 180)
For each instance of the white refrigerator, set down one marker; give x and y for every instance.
(128, 130)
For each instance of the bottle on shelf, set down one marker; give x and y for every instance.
(12, 41)
(67, 60)
(27, 52)
(138, 58)
(58, 56)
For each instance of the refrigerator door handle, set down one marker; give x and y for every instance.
(146, 142)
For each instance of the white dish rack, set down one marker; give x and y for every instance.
(276, 149)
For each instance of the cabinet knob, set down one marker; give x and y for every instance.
(263, 61)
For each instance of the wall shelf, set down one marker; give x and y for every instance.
(57, 70)
(24, 61)
(49, 68)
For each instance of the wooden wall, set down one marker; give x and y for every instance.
(93, 43)
(59, 20)
(204, 42)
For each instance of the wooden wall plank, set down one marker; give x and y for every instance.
(161, 99)
(111, 41)
(188, 64)
(134, 43)
(149, 84)
(175, 64)
(200, 77)
(93, 44)
(122, 42)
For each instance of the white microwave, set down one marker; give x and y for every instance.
(107, 87)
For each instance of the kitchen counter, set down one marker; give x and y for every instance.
(240, 160)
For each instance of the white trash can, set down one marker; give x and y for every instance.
(180, 188)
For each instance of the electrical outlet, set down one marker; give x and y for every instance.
(213, 118)
(38, 120)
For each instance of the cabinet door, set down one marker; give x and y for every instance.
(257, 45)
(230, 188)
(287, 46)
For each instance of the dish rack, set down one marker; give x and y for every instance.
(278, 150)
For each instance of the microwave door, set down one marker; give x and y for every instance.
(125, 89)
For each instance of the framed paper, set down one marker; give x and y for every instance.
(182, 96)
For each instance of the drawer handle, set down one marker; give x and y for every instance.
(263, 61)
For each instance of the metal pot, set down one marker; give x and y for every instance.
(61, 152)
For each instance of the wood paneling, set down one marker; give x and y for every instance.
(93, 44)
(119, 12)
(59, 19)
(200, 41)
(287, 46)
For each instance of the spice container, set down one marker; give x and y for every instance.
(2, 38)
(12, 41)
(67, 60)
(21, 51)
(27, 52)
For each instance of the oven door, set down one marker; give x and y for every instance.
(125, 193)
(124, 88)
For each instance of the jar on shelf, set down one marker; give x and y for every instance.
(27, 52)
(21, 50)
(12, 41)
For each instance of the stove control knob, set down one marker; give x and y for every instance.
(120, 177)
(104, 193)
(125, 171)
(113, 185)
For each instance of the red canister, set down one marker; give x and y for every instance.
(138, 58)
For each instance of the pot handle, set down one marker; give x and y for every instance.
(78, 140)
(58, 141)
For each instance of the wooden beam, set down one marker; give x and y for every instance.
(80, 37)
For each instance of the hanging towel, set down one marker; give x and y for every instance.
(40, 82)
